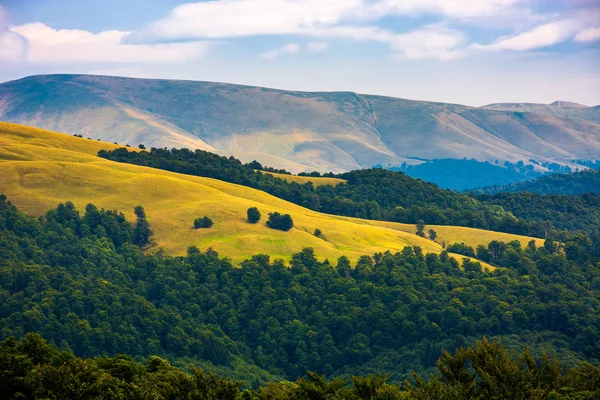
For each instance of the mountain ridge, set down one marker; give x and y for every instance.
(299, 131)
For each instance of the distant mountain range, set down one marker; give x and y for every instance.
(298, 131)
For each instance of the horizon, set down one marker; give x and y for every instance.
(461, 51)
(296, 91)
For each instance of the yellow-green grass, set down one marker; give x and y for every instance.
(316, 181)
(39, 169)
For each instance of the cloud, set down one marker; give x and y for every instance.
(12, 46)
(273, 54)
(235, 18)
(316, 47)
(539, 37)
(47, 45)
(588, 35)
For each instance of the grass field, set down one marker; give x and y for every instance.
(316, 181)
(39, 169)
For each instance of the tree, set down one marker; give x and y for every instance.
(432, 234)
(281, 222)
(142, 232)
(420, 228)
(318, 232)
(141, 146)
(203, 222)
(253, 215)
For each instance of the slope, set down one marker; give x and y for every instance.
(560, 108)
(574, 183)
(40, 169)
(298, 131)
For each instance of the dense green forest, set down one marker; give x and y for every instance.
(382, 194)
(574, 183)
(31, 368)
(449, 173)
(80, 282)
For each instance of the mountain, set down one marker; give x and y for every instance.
(559, 108)
(297, 131)
(575, 183)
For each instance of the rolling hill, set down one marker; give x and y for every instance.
(39, 169)
(560, 108)
(298, 131)
(573, 184)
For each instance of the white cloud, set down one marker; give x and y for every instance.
(316, 47)
(12, 46)
(539, 37)
(442, 44)
(234, 18)
(273, 54)
(588, 35)
(48, 45)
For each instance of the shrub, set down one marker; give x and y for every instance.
(318, 232)
(203, 222)
(281, 222)
(253, 215)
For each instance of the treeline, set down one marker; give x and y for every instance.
(575, 183)
(89, 291)
(33, 369)
(467, 174)
(382, 195)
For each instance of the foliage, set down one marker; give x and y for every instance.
(432, 234)
(318, 232)
(203, 222)
(386, 195)
(89, 290)
(420, 228)
(575, 183)
(253, 215)
(34, 369)
(142, 232)
(469, 174)
(278, 221)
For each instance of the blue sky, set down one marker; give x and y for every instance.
(464, 51)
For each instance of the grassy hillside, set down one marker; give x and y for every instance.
(298, 131)
(560, 108)
(40, 169)
(316, 181)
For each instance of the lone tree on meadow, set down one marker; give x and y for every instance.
(420, 228)
(281, 222)
(203, 222)
(253, 215)
(432, 234)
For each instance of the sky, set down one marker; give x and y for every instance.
(471, 52)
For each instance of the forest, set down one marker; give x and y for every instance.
(84, 284)
(387, 195)
(464, 174)
(575, 183)
(34, 369)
